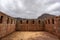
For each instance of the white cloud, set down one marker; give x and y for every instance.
(29, 8)
(20, 4)
(53, 6)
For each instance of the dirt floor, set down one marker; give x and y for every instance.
(30, 36)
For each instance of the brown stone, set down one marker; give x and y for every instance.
(9, 24)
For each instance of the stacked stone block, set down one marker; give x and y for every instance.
(7, 25)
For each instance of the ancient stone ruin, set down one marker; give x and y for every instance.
(10, 24)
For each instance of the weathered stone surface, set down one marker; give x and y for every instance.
(30, 26)
(30, 36)
(9, 25)
(6, 26)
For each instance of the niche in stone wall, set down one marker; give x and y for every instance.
(39, 21)
(52, 21)
(33, 21)
(1, 19)
(26, 21)
(7, 20)
(45, 22)
(48, 21)
(20, 21)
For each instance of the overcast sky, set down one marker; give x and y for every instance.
(30, 8)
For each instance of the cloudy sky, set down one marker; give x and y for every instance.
(29, 8)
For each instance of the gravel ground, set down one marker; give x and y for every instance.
(30, 36)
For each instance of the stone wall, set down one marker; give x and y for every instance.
(52, 25)
(29, 25)
(7, 25)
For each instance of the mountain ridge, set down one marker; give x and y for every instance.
(45, 15)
